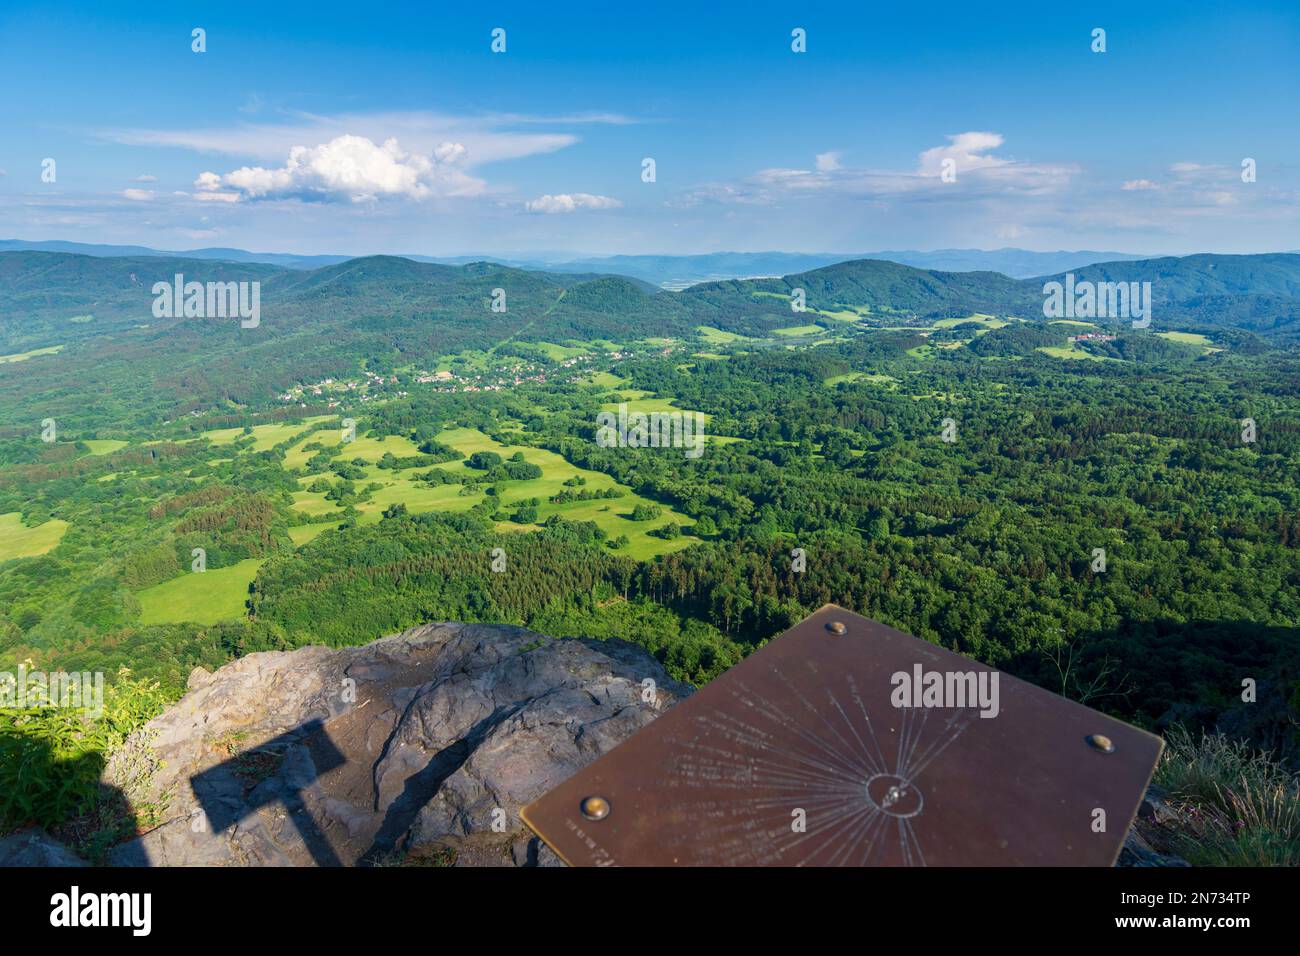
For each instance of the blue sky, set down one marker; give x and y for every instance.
(310, 128)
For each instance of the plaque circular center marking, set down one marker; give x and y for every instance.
(893, 795)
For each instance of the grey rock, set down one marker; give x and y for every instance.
(1154, 812)
(1137, 852)
(35, 847)
(1155, 808)
(419, 748)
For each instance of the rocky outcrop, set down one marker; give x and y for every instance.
(35, 847)
(1155, 818)
(418, 748)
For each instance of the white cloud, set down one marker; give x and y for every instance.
(828, 162)
(139, 195)
(570, 202)
(1135, 184)
(146, 178)
(968, 150)
(348, 168)
(487, 138)
(980, 175)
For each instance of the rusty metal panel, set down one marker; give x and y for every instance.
(812, 752)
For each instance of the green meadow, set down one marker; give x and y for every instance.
(199, 597)
(24, 356)
(717, 336)
(1063, 352)
(861, 377)
(1187, 338)
(265, 437)
(19, 541)
(612, 515)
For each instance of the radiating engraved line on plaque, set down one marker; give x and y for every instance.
(858, 779)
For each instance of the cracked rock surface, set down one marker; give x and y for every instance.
(418, 748)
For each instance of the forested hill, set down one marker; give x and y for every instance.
(386, 311)
(1259, 293)
(877, 285)
(50, 298)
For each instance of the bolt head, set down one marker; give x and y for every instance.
(837, 627)
(595, 808)
(1100, 742)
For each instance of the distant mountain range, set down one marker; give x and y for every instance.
(389, 310)
(666, 271)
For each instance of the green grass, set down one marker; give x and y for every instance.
(265, 437)
(51, 759)
(557, 353)
(717, 336)
(1236, 806)
(609, 514)
(203, 598)
(860, 377)
(401, 487)
(794, 330)
(365, 447)
(104, 446)
(1187, 338)
(985, 320)
(645, 402)
(840, 315)
(19, 541)
(24, 356)
(301, 534)
(1070, 352)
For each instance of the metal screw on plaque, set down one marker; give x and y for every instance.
(1100, 742)
(837, 627)
(595, 808)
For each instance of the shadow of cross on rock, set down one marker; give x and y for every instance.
(278, 771)
(417, 749)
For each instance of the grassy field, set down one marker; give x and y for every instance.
(638, 401)
(860, 377)
(104, 446)
(1187, 338)
(717, 336)
(1070, 352)
(24, 356)
(610, 514)
(301, 534)
(265, 437)
(19, 541)
(792, 330)
(557, 353)
(332, 441)
(215, 595)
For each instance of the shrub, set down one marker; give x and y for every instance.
(1237, 806)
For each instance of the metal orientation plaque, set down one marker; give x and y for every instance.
(844, 742)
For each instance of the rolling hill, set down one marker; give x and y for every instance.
(96, 313)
